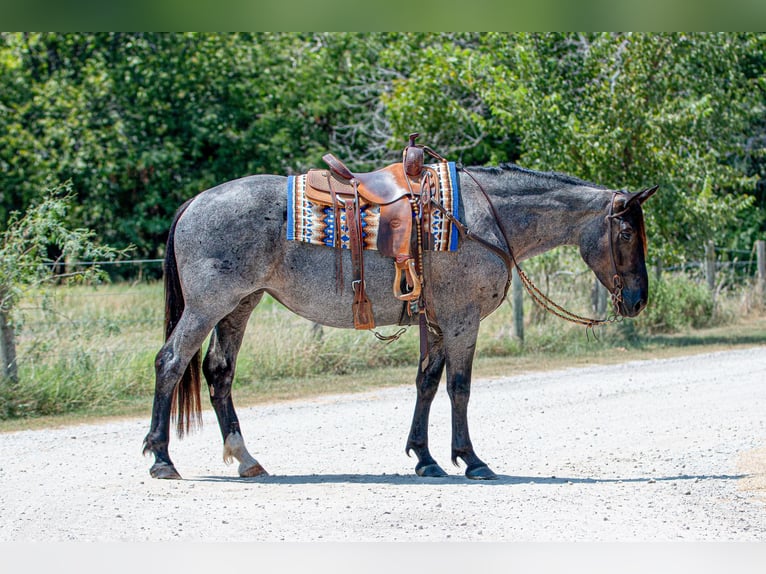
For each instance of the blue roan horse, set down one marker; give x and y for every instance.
(227, 247)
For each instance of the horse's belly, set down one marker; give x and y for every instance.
(307, 284)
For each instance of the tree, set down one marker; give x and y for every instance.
(631, 110)
(140, 122)
(25, 263)
(623, 110)
(443, 95)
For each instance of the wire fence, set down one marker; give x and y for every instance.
(102, 327)
(125, 320)
(722, 267)
(101, 263)
(748, 261)
(726, 260)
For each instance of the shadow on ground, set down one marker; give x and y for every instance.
(406, 479)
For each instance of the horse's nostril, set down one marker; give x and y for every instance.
(638, 306)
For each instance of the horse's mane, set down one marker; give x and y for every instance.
(537, 179)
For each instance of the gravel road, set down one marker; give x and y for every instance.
(642, 451)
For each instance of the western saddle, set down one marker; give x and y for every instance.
(403, 192)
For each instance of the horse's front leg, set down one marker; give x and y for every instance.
(460, 345)
(427, 383)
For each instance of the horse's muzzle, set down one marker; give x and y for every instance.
(631, 303)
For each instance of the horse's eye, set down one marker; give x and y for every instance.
(626, 235)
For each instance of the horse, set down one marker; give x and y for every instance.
(227, 247)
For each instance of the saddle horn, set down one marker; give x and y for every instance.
(412, 158)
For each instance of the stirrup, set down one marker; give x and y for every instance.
(411, 275)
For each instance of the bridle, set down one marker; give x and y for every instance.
(617, 280)
(534, 292)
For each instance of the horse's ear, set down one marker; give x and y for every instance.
(642, 196)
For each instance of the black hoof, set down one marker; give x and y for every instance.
(432, 470)
(164, 470)
(482, 472)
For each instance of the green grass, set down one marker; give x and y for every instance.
(88, 352)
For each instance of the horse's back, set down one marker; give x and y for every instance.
(247, 198)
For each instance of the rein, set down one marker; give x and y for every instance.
(510, 262)
(534, 292)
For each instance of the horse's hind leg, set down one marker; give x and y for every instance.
(218, 367)
(172, 361)
(427, 383)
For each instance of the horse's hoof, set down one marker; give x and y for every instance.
(482, 472)
(432, 470)
(164, 470)
(252, 471)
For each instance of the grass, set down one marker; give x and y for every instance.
(87, 353)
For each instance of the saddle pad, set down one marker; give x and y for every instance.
(314, 223)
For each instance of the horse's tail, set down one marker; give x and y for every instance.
(185, 403)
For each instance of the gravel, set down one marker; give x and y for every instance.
(642, 451)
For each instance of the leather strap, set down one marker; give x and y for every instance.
(336, 240)
(510, 261)
(337, 166)
(362, 307)
(617, 282)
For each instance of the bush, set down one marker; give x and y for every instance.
(26, 266)
(676, 302)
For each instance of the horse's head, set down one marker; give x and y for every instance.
(614, 247)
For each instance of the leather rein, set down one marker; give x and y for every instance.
(534, 292)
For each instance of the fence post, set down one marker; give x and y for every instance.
(517, 303)
(599, 298)
(760, 252)
(8, 368)
(710, 265)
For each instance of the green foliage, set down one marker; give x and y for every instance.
(684, 111)
(632, 110)
(25, 245)
(677, 302)
(139, 122)
(26, 265)
(81, 349)
(442, 95)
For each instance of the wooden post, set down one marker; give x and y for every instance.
(760, 252)
(600, 299)
(8, 368)
(710, 265)
(517, 303)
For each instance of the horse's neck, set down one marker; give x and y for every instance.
(538, 221)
